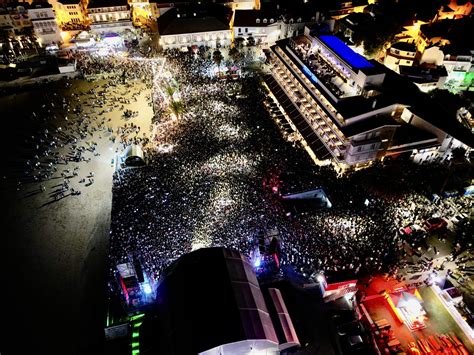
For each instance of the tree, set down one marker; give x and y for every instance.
(217, 57)
(170, 91)
(250, 41)
(235, 54)
(239, 42)
(176, 108)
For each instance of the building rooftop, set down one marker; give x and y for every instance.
(69, 2)
(106, 3)
(421, 74)
(452, 30)
(352, 58)
(368, 124)
(357, 18)
(406, 134)
(194, 19)
(254, 18)
(40, 5)
(404, 46)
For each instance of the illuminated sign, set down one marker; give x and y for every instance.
(310, 74)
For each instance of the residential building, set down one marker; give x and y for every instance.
(432, 55)
(195, 26)
(426, 78)
(71, 13)
(273, 22)
(411, 34)
(460, 68)
(263, 25)
(244, 4)
(348, 110)
(19, 17)
(144, 12)
(400, 53)
(109, 15)
(340, 8)
(44, 23)
(456, 9)
(6, 21)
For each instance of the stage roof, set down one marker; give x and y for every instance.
(208, 298)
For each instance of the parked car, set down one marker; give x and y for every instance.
(435, 223)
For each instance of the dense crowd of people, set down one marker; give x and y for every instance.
(216, 174)
(216, 187)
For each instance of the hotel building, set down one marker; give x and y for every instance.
(106, 16)
(346, 109)
(44, 23)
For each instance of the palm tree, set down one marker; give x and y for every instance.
(170, 91)
(176, 108)
(234, 54)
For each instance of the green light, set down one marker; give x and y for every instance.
(135, 344)
(135, 352)
(138, 316)
(136, 325)
(135, 334)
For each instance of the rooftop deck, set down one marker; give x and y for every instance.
(335, 78)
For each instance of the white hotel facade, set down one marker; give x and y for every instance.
(344, 110)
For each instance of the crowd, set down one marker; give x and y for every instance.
(214, 176)
(69, 127)
(216, 187)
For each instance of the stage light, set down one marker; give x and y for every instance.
(257, 262)
(147, 289)
(320, 278)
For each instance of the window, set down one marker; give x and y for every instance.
(246, 29)
(372, 147)
(257, 20)
(265, 20)
(240, 30)
(359, 149)
(272, 20)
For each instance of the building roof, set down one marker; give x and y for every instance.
(357, 19)
(40, 5)
(452, 30)
(431, 111)
(69, 2)
(207, 298)
(194, 19)
(106, 3)
(404, 46)
(368, 124)
(352, 58)
(406, 134)
(249, 18)
(422, 75)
